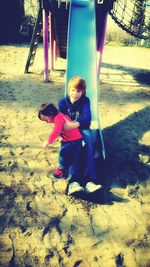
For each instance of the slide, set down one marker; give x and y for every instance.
(82, 60)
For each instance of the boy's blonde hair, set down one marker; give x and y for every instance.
(78, 83)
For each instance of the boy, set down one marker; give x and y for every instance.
(71, 144)
(77, 106)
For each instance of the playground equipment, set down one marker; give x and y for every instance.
(133, 16)
(82, 59)
(86, 27)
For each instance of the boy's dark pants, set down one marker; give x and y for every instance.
(69, 158)
(88, 163)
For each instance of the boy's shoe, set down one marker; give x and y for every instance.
(74, 188)
(91, 187)
(60, 173)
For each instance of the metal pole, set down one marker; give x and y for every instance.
(45, 44)
(101, 43)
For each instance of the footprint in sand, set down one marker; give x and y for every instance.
(2, 167)
(145, 151)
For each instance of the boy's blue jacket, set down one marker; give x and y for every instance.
(79, 111)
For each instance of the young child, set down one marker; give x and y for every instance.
(70, 149)
(77, 106)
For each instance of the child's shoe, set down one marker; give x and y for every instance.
(74, 188)
(91, 187)
(59, 173)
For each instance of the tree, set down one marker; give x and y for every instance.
(138, 17)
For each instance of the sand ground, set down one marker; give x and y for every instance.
(39, 224)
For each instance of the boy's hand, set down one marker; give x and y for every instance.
(45, 144)
(69, 125)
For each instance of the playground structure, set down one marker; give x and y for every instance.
(77, 29)
(53, 16)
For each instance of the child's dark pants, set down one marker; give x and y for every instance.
(69, 158)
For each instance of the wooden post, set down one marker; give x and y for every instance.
(51, 41)
(45, 45)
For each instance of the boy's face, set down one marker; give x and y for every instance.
(74, 94)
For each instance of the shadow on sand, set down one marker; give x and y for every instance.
(142, 76)
(122, 166)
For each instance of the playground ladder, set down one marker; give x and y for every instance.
(34, 41)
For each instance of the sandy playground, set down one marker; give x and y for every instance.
(39, 224)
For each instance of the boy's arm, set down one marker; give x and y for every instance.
(85, 119)
(69, 125)
(62, 106)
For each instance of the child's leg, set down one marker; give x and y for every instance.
(62, 170)
(75, 158)
(63, 159)
(74, 168)
(69, 157)
(89, 171)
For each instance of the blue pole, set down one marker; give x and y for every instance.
(82, 58)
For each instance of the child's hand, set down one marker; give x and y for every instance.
(59, 139)
(45, 144)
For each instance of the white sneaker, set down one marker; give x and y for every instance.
(91, 187)
(74, 188)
